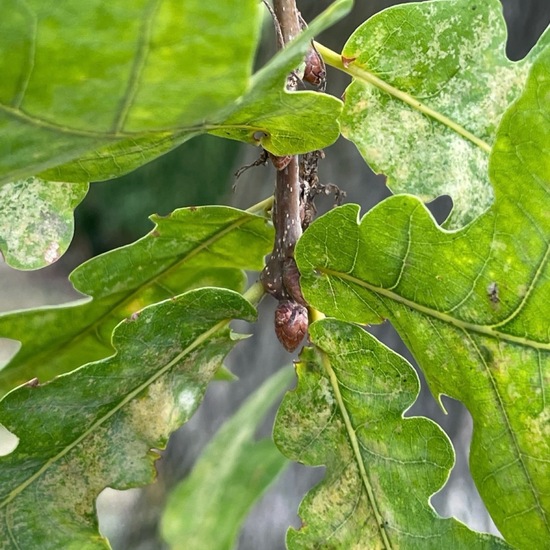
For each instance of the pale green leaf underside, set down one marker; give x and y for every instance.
(36, 220)
(128, 80)
(381, 469)
(472, 305)
(191, 248)
(96, 426)
(450, 56)
(207, 508)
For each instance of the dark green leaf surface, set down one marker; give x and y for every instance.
(207, 508)
(472, 305)
(381, 469)
(446, 56)
(117, 71)
(36, 220)
(191, 248)
(96, 427)
(118, 158)
(76, 108)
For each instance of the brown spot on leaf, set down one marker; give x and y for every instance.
(346, 61)
(492, 292)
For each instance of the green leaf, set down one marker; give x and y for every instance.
(118, 71)
(432, 82)
(98, 426)
(36, 220)
(207, 509)
(191, 248)
(75, 108)
(293, 122)
(472, 305)
(381, 468)
(116, 159)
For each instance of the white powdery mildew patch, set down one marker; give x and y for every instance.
(465, 169)
(36, 220)
(73, 480)
(326, 392)
(503, 86)
(152, 414)
(115, 453)
(110, 455)
(187, 400)
(539, 426)
(434, 52)
(459, 71)
(52, 253)
(410, 134)
(171, 400)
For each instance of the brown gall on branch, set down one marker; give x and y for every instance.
(291, 323)
(315, 71)
(280, 163)
(291, 281)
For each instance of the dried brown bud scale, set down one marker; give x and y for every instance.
(280, 163)
(347, 61)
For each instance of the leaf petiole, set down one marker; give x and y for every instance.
(335, 60)
(260, 208)
(254, 293)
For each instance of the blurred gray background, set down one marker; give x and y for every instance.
(200, 172)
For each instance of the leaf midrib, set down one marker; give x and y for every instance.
(55, 346)
(131, 395)
(486, 330)
(116, 135)
(351, 432)
(335, 60)
(517, 448)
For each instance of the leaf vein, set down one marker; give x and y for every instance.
(488, 330)
(199, 340)
(532, 285)
(335, 383)
(510, 432)
(28, 68)
(140, 60)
